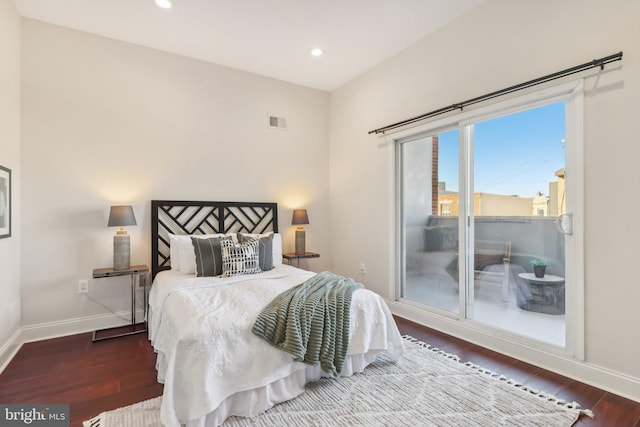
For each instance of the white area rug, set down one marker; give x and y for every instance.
(426, 387)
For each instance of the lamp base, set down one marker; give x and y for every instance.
(300, 241)
(121, 251)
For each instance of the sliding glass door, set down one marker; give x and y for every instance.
(431, 220)
(486, 205)
(518, 186)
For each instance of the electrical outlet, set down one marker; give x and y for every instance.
(363, 268)
(83, 286)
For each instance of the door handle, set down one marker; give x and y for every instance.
(564, 223)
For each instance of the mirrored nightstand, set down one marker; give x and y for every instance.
(139, 275)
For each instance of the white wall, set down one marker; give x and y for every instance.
(106, 122)
(10, 158)
(498, 44)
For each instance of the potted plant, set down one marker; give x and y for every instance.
(539, 267)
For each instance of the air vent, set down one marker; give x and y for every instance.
(279, 123)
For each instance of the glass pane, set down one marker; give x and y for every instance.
(518, 192)
(430, 183)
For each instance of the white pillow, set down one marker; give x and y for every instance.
(174, 251)
(277, 245)
(183, 257)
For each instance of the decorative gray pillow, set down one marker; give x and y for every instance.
(433, 239)
(239, 258)
(208, 255)
(265, 250)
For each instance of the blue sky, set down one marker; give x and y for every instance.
(514, 154)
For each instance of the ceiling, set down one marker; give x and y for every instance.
(268, 37)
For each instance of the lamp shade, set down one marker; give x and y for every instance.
(300, 217)
(121, 216)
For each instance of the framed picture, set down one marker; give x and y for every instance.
(5, 202)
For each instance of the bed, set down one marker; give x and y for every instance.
(211, 364)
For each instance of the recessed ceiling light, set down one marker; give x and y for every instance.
(165, 4)
(316, 51)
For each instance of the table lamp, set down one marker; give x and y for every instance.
(300, 217)
(121, 216)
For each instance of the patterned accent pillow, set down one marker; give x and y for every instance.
(239, 258)
(449, 238)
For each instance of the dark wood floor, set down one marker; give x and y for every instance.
(95, 377)
(91, 377)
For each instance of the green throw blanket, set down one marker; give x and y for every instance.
(311, 321)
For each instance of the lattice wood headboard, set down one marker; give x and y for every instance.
(193, 217)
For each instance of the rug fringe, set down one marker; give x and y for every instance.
(96, 421)
(431, 348)
(571, 406)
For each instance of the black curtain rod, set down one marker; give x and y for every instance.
(460, 105)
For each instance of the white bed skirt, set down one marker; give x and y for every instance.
(253, 402)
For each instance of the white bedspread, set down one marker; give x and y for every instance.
(213, 366)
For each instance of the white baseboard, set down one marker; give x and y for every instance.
(597, 376)
(9, 349)
(60, 328)
(78, 325)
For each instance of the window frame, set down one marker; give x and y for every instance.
(572, 93)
